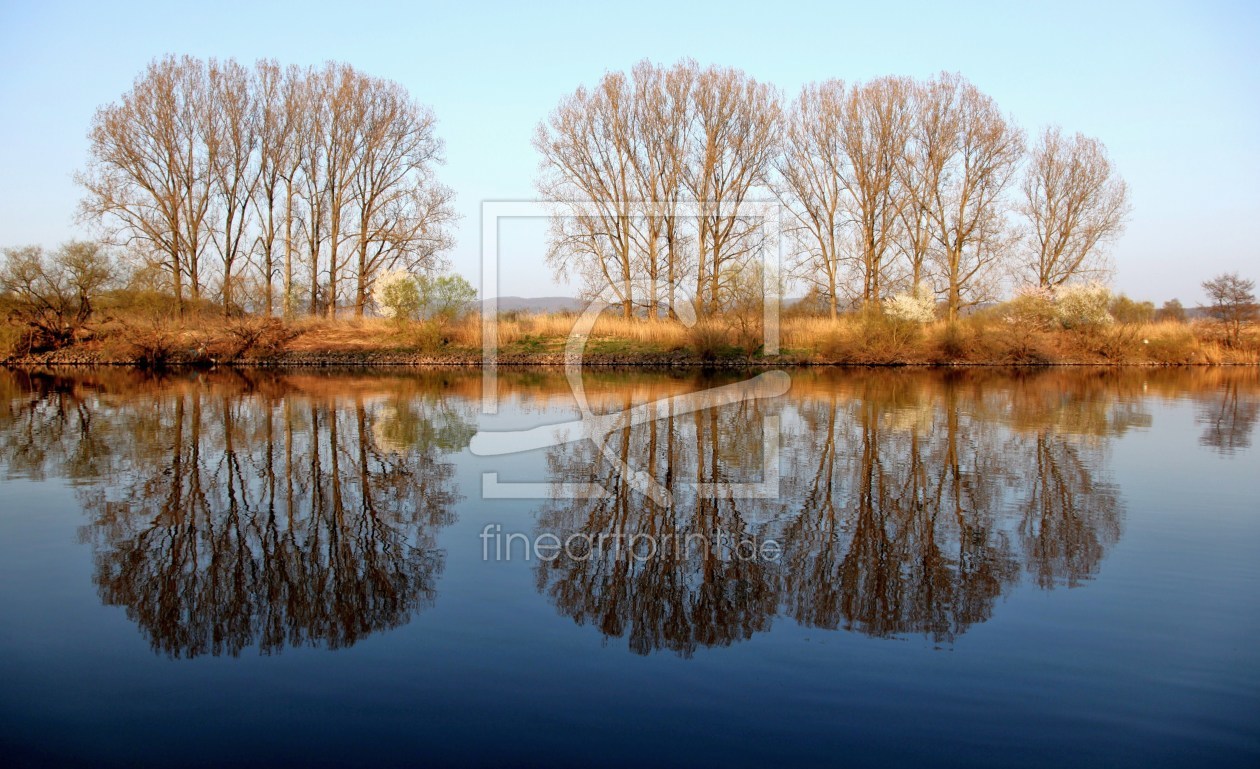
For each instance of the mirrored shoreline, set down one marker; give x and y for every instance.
(230, 510)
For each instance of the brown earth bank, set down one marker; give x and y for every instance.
(379, 358)
(542, 340)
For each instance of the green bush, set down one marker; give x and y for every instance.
(1172, 311)
(1126, 310)
(397, 295)
(444, 296)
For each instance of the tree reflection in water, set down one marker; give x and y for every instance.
(695, 591)
(239, 511)
(230, 509)
(910, 502)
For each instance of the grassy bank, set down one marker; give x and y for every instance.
(855, 339)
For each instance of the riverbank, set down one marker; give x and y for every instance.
(541, 341)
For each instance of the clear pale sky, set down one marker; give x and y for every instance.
(1173, 89)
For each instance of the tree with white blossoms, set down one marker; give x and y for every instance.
(397, 295)
(1083, 306)
(916, 306)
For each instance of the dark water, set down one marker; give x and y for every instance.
(953, 568)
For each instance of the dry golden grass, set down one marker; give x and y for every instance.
(859, 338)
(345, 334)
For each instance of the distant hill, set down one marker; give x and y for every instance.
(538, 304)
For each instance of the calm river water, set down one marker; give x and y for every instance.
(970, 568)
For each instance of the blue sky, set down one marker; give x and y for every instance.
(1173, 89)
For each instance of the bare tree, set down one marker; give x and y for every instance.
(342, 110)
(839, 171)
(587, 148)
(735, 138)
(808, 182)
(53, 294)
(662, 102)
(964, 155)
(218, 155)
(1233, 302)
(401, 210)
(231, 135)
(1075, 205)
(874, 128)
(148, 178)
(278, 123)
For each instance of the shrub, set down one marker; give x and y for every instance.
(709, 340)
(146, 344)
(397, 295)
(444, 296)
(1172, 344)
(1126, 310)
(955, 342)
(1083, 307)
(1172, 311)
(434, 333)
(1011, 343)
(264, 337)
(1032, 309)
(884, 338)
(1116, 343)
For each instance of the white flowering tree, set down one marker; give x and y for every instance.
(916, 306)
(1083, 306)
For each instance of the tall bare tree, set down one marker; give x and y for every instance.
(231, 135)
(401, 209)
(963, 155)
(662, 117)
(278, 121)
(216, 155)
(148, 179)
(1075, 205)
(838, 173)
(808, 182)
(343, 110)
(587, 147)
(736, 135)
(874, 128)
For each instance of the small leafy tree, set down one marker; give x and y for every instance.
(1233, 302)
(444, 297)
(1126, 310)
(1172, 311)
(397, 295)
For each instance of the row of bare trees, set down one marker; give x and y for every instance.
(249, 185)
(889, 184)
